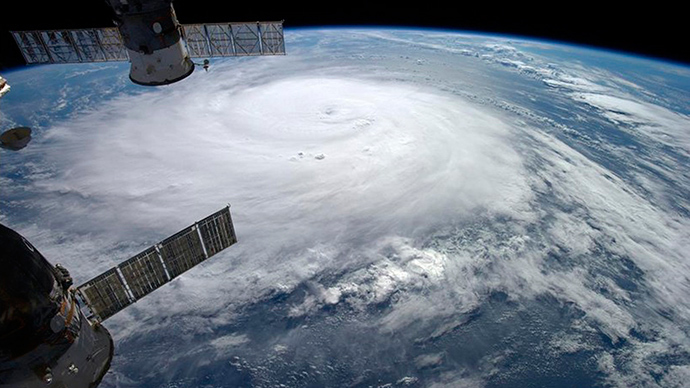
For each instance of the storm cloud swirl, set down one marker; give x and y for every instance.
(451, 229)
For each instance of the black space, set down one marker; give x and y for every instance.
(642, 28)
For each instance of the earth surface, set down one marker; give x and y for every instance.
(414, 208)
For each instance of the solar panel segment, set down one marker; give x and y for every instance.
(131, 280)
(106, 44)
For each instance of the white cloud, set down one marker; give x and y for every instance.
(651, 120)
(429, 360)
(401, 161)
(222, 344)
(397, 157)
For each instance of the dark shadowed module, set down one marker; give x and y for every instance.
(44, 336)
(51, 333)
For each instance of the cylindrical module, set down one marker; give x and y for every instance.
(153, 38)
(44, 336)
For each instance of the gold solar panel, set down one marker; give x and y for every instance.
(217, 232)
(144, 273)
(117, 288)
(106, 294)
(182, 251)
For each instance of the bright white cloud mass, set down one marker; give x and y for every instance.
(390, 201)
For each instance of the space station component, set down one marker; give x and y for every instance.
(131, 280)
(51, 333)
(4, 87)
(153, 40)
(148, 34)
(15, 139)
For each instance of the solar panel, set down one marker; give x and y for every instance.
(31, 46)
(105, 294)
(220, 40)
(60, 46)
(272, 40)
(142, 274)
(234, 39)
(105, 44)
(246, 38)
(196, 37)
(87, 45)
(182, 251)
(112, 44)
(71, 46)
(217, 232)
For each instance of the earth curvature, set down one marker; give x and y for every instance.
(414, 208)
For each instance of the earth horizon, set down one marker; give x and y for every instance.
(414, 208)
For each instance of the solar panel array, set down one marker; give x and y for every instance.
(71, 46)
(144, 273)
(140, 275)
(105, 44)
(182, 251)
(217, 232)
(106, 294)
(234, 39)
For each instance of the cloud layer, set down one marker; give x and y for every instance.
(413, 198)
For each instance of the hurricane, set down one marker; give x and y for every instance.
(414, 208)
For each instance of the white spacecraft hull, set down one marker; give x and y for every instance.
(4, 87)
(162, 67)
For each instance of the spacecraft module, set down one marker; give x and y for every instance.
(51, 333)
(148, 35)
